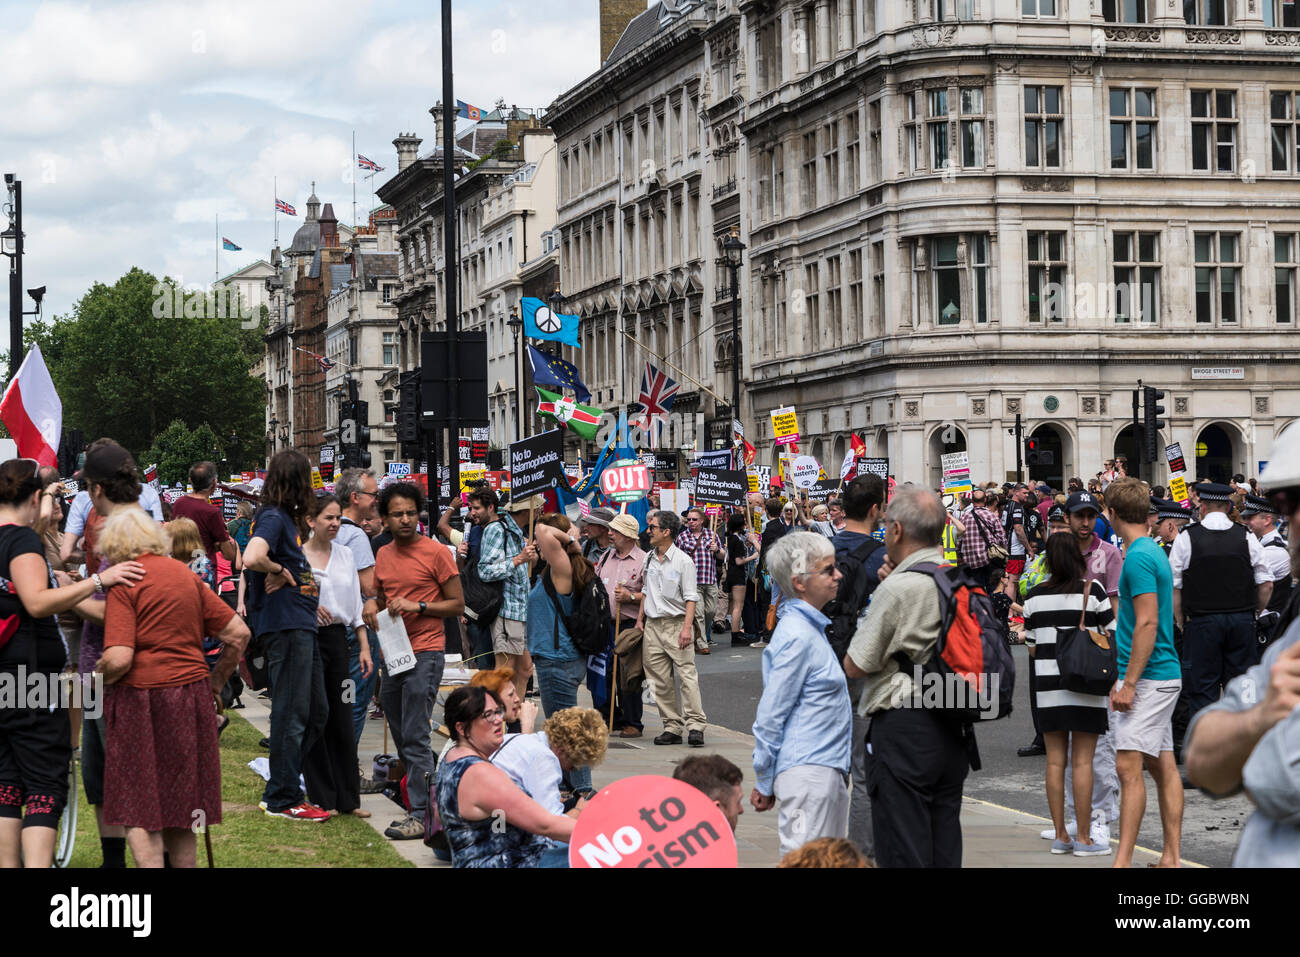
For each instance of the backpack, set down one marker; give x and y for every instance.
(483, 599)
(970, 646)
(589, 622)
(855, 588)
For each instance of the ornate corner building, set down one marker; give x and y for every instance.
(955, 212)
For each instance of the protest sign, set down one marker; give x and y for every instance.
(760, 479)
(822, 490)
(317, 482)
(805, 471)
(399, 468)
(537, 464)
(469, 478)
(714, 459)
(626, 481)
(1174, 453)
(785, 425)
(956, 472)
(652, 821)
(1178, 489)
(720, 487)
(874, 466)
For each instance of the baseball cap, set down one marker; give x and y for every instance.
(1080, 501)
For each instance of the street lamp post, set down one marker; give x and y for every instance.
(234, 451)
(734, 250)
(271, 434)
(517, 325)
(11, 245)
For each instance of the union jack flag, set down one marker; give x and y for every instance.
(325, 364)
(657, 392)
(283, 207)
(369, 164)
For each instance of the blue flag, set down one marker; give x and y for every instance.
(541, 323)
(552, 370)
(229, 246)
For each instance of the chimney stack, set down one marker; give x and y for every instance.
(436, 111)
(615, 15)
(408, 150)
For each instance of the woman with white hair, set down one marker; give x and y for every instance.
(804, 726)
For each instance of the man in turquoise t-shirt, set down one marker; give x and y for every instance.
(1143, 700)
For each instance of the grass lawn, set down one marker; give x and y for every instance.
(246, 837)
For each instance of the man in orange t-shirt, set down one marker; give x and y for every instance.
(416, 578)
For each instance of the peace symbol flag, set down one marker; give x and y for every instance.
(541, 323)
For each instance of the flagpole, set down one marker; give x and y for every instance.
(216, 248)
(275, 203)
(675, 369)
(354, 182)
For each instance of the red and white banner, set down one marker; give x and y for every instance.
(32, 412)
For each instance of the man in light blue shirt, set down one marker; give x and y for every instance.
(803, 731)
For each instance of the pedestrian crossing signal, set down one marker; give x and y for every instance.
(1035, 454)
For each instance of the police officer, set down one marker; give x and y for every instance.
(1261, 518)
(1171, 518)
(1221, 580)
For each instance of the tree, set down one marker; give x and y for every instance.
(137, 355)
(177, 447)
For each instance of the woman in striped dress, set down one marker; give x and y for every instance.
(1070, 721)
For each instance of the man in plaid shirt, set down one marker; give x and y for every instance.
(704, 548)
(503, 557)
(982, 530)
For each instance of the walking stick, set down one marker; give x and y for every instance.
(207, 842)
(613, 685)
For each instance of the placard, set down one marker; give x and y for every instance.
(627, 480)
(499, 480)
(317, 482)
(713, 459)
(652, 821)
(785, 425)
(666, 464)
(470, 478)
(956, 472)
(537, 464)
(399, 468)
(721, 487)
(1174, 455)
(760, 477)
(230, 508)
(822, 490)
(1178, 489)
(874, 466)
(466, 449)
(805, 472)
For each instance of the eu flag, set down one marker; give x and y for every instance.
(552, 370)
(541, 323)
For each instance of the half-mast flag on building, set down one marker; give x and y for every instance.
(468, 112)
(582, 420)
(32, 412)
(227, 245)
(552, 370)
(541, 323)
(283, 207)
(369, 164)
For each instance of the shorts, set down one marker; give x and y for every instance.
(508, 636)
(1148, 725)
(1015, 565)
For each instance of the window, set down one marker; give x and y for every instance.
(1281, 13)
(1132, 129)
(1038, 8)
(1214, 141)
(852, 151)
(390, 348)
(954, 9)
(877, 287)
(831, 161)
(811, 304)
(834, 299)
(874, 157)
(1124, 11)
(1044, 119)
(913, 134)
(937, 128)
(855, 328)
(947, 282)
(1046, 256)
(1136, 263)
(778, 180)
(1209, 13)
(972, 128)
(980, 276)
(768, 68)
(388, 288)
(1286, 134)
(808, 172)
(1218, 268)
(1286, 261)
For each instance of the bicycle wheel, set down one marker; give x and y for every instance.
(67, 836)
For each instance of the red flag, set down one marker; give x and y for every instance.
(859, 446)
(32, 412)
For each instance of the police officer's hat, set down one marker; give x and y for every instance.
(1214, 492)
(1257, 505)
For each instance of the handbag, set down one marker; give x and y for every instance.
(996, 552)
(1087, 660)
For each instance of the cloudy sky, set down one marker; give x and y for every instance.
(133, 124)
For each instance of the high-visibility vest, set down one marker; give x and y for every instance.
(949, 544)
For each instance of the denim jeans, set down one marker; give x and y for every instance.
(558, 682)
(408, 701)
(556, 856)
(364, 687)
(298, 711)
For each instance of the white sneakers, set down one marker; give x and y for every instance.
(1099, 832)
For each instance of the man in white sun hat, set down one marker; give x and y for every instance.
(1250, 739)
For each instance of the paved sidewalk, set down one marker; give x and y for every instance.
(993, 836)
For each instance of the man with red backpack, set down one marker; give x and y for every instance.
(918, 754)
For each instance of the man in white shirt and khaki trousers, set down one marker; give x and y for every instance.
(667, 616)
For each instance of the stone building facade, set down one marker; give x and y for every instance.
(955, 212)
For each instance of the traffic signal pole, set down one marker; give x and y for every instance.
(1020, 447)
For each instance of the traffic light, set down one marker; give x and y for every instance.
(361, 412)
(408, 408)
(1035, 454)
(1151, 421)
